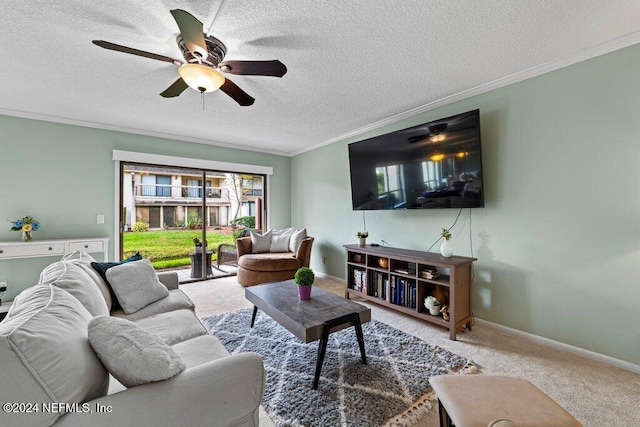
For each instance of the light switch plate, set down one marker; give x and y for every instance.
(100, 219)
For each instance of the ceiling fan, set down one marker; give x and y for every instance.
(204, 62)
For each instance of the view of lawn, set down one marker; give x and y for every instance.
(169, 248)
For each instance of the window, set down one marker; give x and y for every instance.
(391, 185)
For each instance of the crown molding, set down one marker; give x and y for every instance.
(580, 56)
(134, 131)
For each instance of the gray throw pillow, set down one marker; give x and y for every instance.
(280, 242)
(136, 285)
(131, 354)
(260, 243)
(297, 238)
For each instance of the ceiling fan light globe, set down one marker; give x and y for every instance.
(201, 77)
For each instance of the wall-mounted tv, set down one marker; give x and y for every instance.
(430, 166)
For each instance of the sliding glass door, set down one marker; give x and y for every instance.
(178, 217)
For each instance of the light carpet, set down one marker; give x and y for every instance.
(392, 389)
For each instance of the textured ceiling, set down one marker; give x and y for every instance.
(352, 64)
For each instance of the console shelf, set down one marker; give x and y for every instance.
(400, 279)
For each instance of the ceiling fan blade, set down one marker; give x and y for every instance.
(273, 68)
(238, 95)
(132, 51)
(192, 32)
(175, 89)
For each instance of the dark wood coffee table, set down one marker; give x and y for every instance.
(309, 320)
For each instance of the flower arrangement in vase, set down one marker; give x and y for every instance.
(304, 278)
(432, 304)
(27, 225)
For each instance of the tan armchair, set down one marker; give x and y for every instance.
(254, 269)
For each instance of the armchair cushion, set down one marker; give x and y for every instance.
(296, 239)
(260, 242)
(280, 243)
(136, 285)
(131, 354)
(270, 262)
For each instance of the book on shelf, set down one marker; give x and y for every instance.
(429, 272)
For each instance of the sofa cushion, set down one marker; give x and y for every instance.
(296, 239)
(131, 354)
(173, 327)
(200, 350)
(177, 300)
(270, 262)
(260, 243)
(75, 280)
(84, 260)
(45, 353)
(136, 285)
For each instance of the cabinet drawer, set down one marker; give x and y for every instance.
(87, 246)
(31, 250)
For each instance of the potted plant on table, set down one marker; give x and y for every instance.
(432, 304)
(362, 235)
(304, 278)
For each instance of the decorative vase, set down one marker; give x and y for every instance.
(434, 310)
(304, 292)
(446, 250)
(363, 241)
(26, 236)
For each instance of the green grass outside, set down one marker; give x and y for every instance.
(169, 248)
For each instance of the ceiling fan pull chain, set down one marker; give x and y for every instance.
(202, 96)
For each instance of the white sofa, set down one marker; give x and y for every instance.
(48, 365)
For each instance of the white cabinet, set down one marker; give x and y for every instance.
(58, 247)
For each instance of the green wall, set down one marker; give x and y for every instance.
(64, 176)
(558, 243)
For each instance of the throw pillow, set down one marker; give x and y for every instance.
(136, 285)
(296, 239)
(280, 240)
(260, 243)
(102, 267)
(131, 354)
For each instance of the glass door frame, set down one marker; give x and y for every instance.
(125, 157)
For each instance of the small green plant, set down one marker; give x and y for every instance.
(198, 242)
(362, 234)
(304, 276)
(244, 222)
(140, 227)
(431, 301)
(194, 223)
(445, 233)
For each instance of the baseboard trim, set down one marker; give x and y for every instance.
(618, 363)
(327, 276)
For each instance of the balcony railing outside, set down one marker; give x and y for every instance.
(180, 191)
(252, 192)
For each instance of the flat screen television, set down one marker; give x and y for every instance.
(435, 165)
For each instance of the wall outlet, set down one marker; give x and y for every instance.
(99, 219)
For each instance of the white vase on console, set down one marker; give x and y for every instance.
(446, 250)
